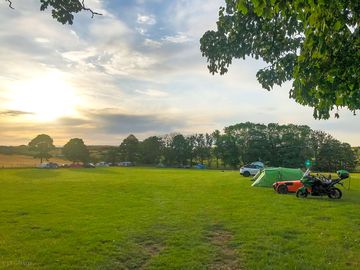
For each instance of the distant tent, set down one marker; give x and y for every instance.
(268, 176)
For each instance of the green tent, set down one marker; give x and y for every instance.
(268, 176)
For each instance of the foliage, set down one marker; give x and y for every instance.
(129, 149)
(178, 150)
(19, 150)
(215, 152)
(151, 150)
(239, 144)
(112, 155)
(334, 154)
(75, 150)
(314, 43)
(228, 150)
(191, 142)
(203, 145)
(289, 146)
(42, 144)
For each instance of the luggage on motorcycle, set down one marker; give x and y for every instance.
(343, 174)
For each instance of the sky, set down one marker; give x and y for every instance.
(137, 69)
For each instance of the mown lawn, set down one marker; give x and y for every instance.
(134, 218)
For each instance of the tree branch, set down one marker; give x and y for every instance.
(89, 9)
(10, 4)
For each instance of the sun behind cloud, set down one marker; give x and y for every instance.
(45, 98)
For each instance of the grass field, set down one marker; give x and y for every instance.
(21, 161)
(134, 218)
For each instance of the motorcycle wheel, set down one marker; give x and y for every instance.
(282, 189)
(334, 193)
(301, 194)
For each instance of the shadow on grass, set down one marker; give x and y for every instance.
(352, 199)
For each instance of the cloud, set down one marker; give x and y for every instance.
(73, 122)
(178, 38)
(105, 126)
(146, 19)
(152, 43)
(14, 113)
(81, 55)
(111, 121)
(115, 123)
(152, 93)
(142, 58)
(42, 40)
(193, 17)
(141, 31)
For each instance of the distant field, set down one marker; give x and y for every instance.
(16, 161)
(134, 218)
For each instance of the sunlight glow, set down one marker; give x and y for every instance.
(45, 98)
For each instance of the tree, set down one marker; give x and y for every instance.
(314, 43)
(112, 155)
(181, 149)
(294, 147)
(216, 150)
(75, 150)
(209, 140)
(129, 149)
(334, 155)
(150, 150)
(228, 150)
(251, 140)
(278, 145)
(348, 157)
(42, 144)
(191, 141)
(63, 10)
(200, 150)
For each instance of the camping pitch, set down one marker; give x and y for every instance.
(268, 176)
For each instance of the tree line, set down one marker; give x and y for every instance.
(274, 144)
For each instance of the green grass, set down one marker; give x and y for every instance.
(133, 218)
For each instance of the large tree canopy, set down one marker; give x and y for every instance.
(315, 43)
(76, 150)
(129, 149)
(42, 144)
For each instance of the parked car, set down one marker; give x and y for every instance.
(283, 187)
(75, 165)
(200, 166)
(251, 169)
(89, 165)
(126, 164)
(48, 165)
(64, 165)
(102, 164)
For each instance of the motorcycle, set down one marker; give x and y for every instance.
(321, 185)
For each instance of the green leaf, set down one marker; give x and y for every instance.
(339, 101)
(337, 26)
(241, 5)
